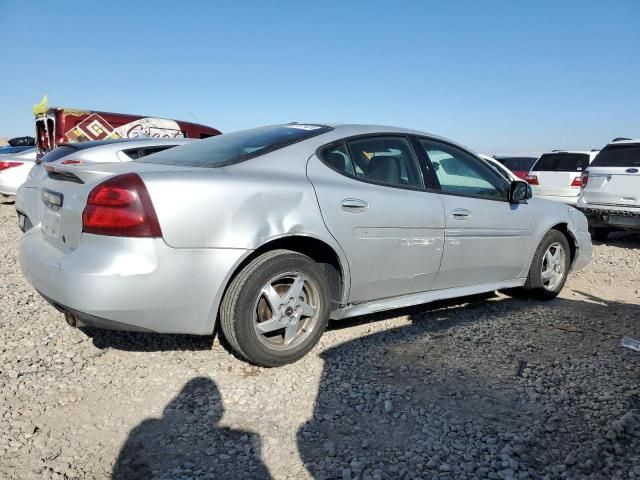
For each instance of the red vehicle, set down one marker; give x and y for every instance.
(520, 166)
(57, 125)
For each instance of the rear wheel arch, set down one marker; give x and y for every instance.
(318, 250)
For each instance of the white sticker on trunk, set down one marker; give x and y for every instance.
(305, 127)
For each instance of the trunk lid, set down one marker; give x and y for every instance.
(64, 193)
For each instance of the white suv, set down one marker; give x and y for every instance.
(557, 175)
(610, 195)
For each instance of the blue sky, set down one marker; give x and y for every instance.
(498, 76)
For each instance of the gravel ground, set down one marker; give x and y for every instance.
(491, 388)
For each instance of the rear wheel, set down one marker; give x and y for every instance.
(600, 233)
(549, 268)
(276, 309)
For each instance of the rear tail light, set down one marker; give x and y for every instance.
(121, 207)
(71, 162)
(584, 179)
(576, 183)
(532, 179)
(6, 165)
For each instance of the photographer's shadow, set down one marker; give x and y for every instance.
(188, 442)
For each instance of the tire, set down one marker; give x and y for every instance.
(542, 288)
(258, 321)
(600, 233)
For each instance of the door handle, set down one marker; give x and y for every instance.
(354, 205)
(461, 214)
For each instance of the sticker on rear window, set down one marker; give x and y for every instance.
(305, 127)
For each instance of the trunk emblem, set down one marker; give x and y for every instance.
(632, 170)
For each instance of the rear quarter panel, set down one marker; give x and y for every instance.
(237, 206)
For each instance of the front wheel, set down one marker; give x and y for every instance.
(276, 309)
(549, 269)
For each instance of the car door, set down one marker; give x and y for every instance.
(487, 239)
(372, 198)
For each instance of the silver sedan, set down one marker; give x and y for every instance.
(273, 231)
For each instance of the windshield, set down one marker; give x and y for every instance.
(618, 156)
(562, 162)
(236, 146)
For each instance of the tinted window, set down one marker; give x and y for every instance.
(338, 158)
(151, 150)
(517, 164)
(501, 170)
(59, 152)
(461, 173)
(237, 146)
(562, 162)
(132, 153)
(386, 160)
(618, 156)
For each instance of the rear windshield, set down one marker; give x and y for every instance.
(618, 156)
(236, 146)
(562, 162)
(58, 152)
(517, 164)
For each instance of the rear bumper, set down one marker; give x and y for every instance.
(130, 283)
(612, 216)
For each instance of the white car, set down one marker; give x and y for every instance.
(557, 175)
(29, 205)
(610, 195)
(14, 169)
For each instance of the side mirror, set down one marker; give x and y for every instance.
(520, 192)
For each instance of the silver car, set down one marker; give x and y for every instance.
(29, 206)
(14, 168)
(274, 230)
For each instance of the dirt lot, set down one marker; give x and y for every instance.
(496, 388)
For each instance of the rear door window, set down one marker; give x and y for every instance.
(618, 156)
(387, 160)
(562, 162)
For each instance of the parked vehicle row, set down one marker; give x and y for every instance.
(274, 230)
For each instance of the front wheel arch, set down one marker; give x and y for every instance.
(571, 239)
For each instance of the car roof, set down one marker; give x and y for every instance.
(343, 130)
(131, 142)
(626, 141)
(586, 152)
